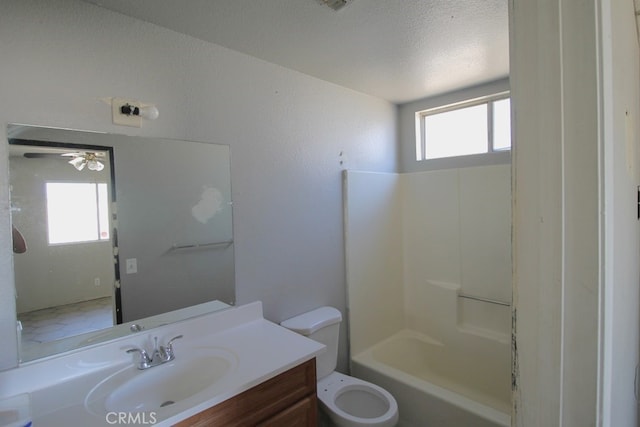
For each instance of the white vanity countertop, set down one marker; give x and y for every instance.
(58, 386)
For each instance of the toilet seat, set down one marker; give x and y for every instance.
(353, 402)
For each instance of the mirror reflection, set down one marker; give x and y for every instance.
(109, 230)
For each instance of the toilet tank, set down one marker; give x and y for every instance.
(321, 325)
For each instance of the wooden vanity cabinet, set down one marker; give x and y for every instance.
(287, 400)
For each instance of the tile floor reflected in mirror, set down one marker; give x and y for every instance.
(62, 321)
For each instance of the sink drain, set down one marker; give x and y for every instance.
(167, 403)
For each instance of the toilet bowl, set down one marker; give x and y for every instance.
(347, 401)
(351, 402)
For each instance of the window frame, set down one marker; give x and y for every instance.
(420, 142)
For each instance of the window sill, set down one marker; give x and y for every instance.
(484, 159)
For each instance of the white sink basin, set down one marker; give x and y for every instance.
(130, 389)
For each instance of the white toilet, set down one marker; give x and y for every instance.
(348, 401)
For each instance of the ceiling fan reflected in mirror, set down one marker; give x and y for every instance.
(79, 159)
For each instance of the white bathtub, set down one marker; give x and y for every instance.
(438, 387)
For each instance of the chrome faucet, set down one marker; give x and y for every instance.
(161, 354)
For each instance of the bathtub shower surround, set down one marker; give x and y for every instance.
(440, 384)
(416, 245)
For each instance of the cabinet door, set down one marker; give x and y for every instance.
(262, 402)
(302, 414)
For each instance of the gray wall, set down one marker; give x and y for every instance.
(158, 182)
(286, 131)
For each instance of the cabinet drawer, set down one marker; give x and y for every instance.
(260, 402)
(302, 414)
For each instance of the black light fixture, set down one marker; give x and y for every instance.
(129, 112)
(335, 4)
(148, 112)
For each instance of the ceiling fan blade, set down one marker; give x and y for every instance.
(78, 162)
(84, 154)
(42, 155)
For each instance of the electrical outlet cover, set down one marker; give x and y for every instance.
(131, 266)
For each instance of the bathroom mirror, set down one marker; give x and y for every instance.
(114, 234)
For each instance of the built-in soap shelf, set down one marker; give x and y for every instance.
(484, 317)
(450, 310)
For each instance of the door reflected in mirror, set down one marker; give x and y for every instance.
(111, 229)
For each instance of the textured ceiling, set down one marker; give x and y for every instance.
(398, 50)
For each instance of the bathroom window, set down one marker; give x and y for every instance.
(77, 212)
(463, 129)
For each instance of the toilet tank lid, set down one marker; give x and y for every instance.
(312, 321)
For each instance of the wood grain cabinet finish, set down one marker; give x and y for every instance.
(287, 400)
(302, 414)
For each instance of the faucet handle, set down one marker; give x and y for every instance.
(167, 351)
(143, 352)
(145, 360)
(170, 343)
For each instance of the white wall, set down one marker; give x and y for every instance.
(286, 132)
(621, 101)
(574, 76)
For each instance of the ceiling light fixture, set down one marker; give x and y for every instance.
(130, 113)
(336, 4)
(87, 159)
(149, 112)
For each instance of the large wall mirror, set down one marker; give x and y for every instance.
(114, 234)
